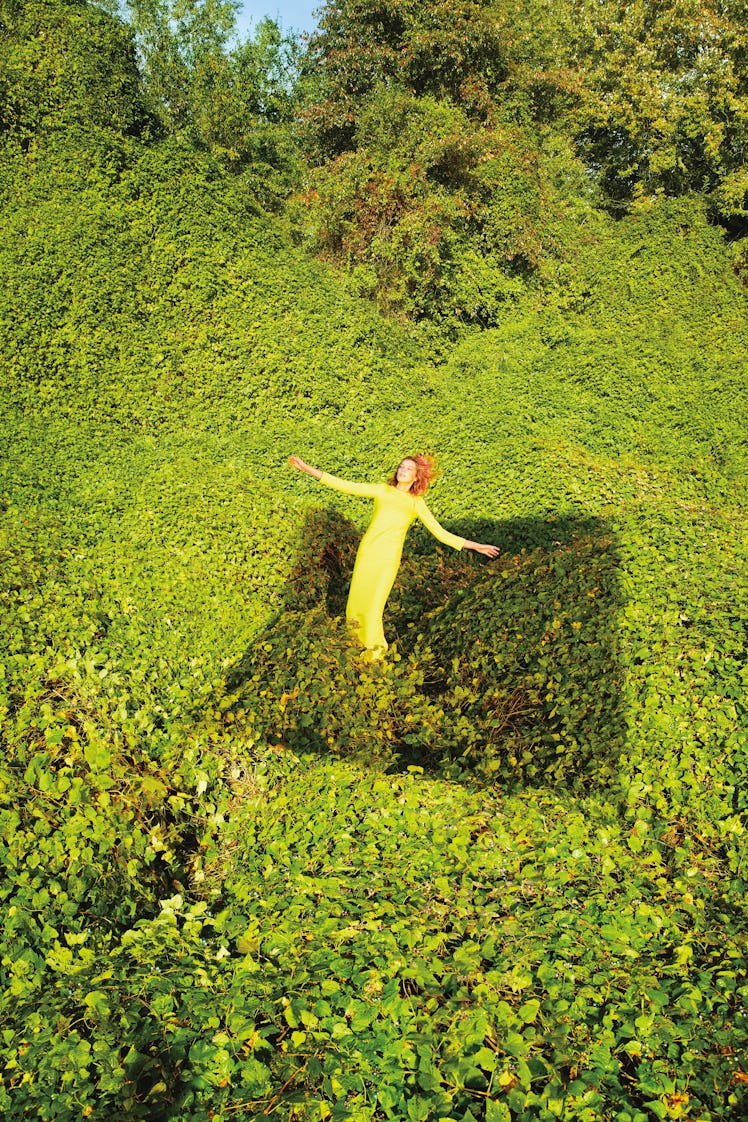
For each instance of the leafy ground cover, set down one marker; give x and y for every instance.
(500, 876)
(459, 954)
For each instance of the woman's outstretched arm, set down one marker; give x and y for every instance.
(444, 536)
(367, 490)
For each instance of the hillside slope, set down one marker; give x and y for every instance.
(165, 622)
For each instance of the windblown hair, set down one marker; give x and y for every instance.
(426, 473)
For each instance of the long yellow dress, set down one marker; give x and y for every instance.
(378, 557)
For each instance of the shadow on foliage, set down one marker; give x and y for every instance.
(507, 669)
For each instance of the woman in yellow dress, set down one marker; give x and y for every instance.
(396, 506)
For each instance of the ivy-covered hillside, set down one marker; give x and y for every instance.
(501, 874)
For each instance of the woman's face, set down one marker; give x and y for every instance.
(407, 471)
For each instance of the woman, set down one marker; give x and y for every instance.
(396, 505)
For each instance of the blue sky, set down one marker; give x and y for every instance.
(292, 15)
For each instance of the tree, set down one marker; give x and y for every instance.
(452, 50)
(182, 47)
(663, 97)
(236, 98)
(67, 64)
(423, 175)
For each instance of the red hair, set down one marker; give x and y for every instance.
(426, 473)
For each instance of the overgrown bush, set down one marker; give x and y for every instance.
(431, 212)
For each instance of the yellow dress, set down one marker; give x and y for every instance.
(379, 553)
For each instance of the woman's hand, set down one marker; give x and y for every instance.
(299, 464)
(481, 547)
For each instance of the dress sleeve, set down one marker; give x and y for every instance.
(433, 526)
(367, 490)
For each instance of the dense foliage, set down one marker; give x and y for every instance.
(433, 129)
(501, 874)
(66, 67)
(234, 98)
